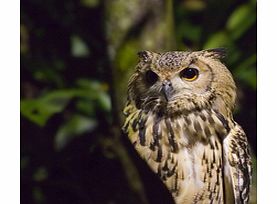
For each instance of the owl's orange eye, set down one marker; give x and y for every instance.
(189, 74)
(151, 77)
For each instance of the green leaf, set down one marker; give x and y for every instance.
(100, 89)
(233, 55)
(194, 33)
(85, 106)
(41, 109)
(75, 126)
(104, 101)
(241, 20)
(249, 77)
(247, 72)
(79, 47)
(219, 39)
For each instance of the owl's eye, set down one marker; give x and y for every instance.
(189, 74)
(151, 77)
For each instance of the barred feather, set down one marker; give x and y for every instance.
(190, 140)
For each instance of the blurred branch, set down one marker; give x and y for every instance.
(155, 33)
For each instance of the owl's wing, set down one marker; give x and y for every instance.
(237, 168)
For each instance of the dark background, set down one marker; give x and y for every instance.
(76, 58)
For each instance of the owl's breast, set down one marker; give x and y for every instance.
(184, 151)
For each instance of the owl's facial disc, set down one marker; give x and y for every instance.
(174, 82)
(170, 89)
(169, 85)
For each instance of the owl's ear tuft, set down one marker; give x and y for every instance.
(145, 56)
(217, 53)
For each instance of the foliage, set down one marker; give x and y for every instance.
(76, 57)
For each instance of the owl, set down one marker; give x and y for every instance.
(179, 119)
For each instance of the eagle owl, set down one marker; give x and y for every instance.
(179, 119)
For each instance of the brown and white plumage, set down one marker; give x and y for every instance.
(180, 122)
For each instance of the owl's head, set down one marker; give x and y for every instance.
(177, 82)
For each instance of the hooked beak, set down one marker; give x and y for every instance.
(167, 89)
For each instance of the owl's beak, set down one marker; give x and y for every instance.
(167, 89)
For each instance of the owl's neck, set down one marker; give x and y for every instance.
(195, 126)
